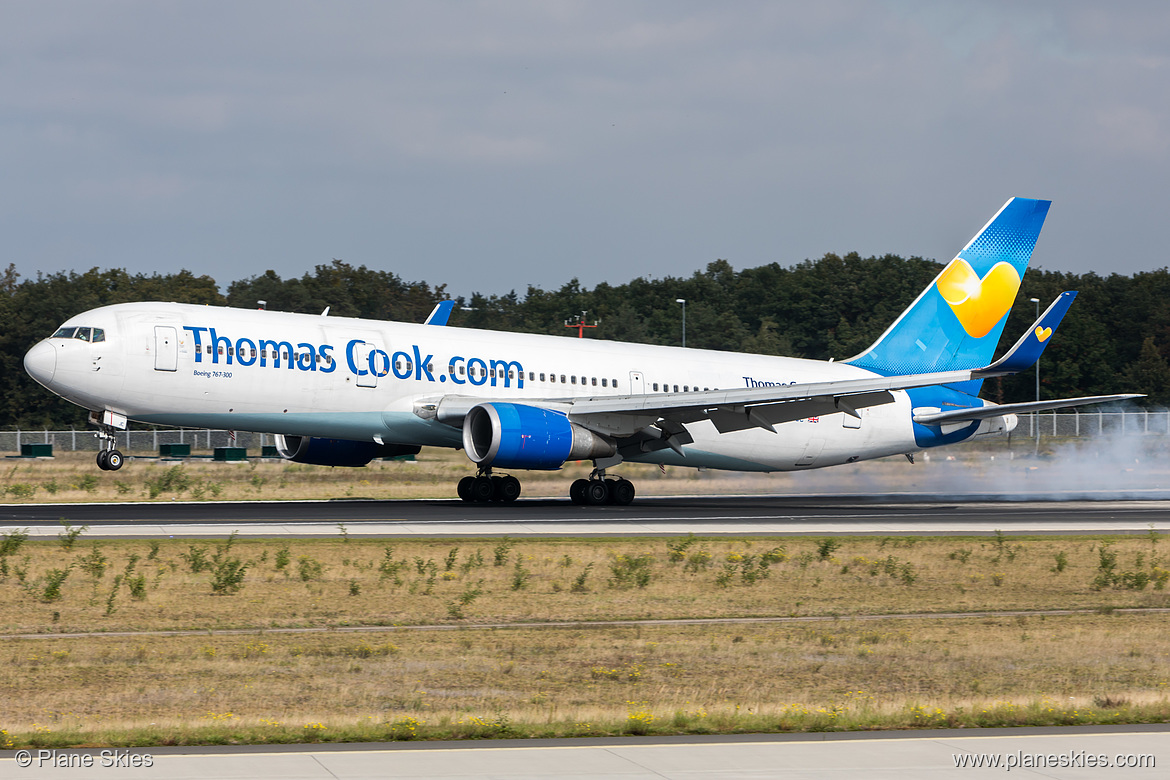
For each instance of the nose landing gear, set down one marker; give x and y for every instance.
(108, 458)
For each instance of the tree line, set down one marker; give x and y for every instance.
(1116, 337)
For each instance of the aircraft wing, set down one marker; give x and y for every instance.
(765, 407)
(996, 410)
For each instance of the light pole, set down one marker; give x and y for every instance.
(1035, 419)
(683, 301)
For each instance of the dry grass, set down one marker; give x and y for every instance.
(294, 583)
(479, 682)
(73, 477)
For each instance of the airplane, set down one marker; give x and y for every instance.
(340, 391)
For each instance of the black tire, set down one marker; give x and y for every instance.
(507, 489)
(464, 488)
(621, 492)
(597, 492)
(101, 460)
(113, 460)
(482, 489)
(496, 488)
(577, 491)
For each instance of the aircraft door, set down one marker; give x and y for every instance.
(362, 361)
(637, 383)
(166, 348)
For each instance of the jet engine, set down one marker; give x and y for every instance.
(516, 436)
(337, 452)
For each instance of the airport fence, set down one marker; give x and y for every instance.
(146, 440)
(1134, 422)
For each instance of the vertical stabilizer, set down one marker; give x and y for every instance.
(956, 322)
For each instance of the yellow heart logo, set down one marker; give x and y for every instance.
(1043, 333)
(978, 303)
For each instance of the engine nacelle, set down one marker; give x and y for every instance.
(515, 436)
(337, 452)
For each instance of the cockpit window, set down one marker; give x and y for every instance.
(82, 333)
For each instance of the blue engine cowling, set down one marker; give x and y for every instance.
(516, 436)
(336, 452)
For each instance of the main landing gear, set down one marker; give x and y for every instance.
(108, 458)
(485, 487)
(597, 490)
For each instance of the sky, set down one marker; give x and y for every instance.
(493, 145)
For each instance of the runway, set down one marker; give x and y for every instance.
(702, 515)
(895, 755)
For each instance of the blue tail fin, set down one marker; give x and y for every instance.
(956, 322)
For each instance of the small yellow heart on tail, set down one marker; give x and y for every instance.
(1042, 334)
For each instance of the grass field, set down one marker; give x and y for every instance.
(1092, 667)
(996, 466)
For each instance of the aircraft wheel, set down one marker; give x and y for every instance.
(597, 492)
(621, 492)
(464, 488)
(507, 489)
(113, 460)
(577, 491)
(482, 489)
(101, 460)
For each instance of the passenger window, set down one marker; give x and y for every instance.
(231, 351)
(542, 377)
(573, 379)
(603, 382)
(461, 370)
(676, 388)
(65, 333)
(531, 375)
(595, 381)
(656, 387)
(562, 379)
(614, 382)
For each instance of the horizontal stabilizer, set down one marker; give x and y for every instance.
(993, 410)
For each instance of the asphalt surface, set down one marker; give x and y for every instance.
(843, 514)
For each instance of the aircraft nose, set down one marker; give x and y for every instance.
(41, 362)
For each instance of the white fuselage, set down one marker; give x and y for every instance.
(337, 377)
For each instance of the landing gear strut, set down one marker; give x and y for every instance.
(108, 458)
(485, 487)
